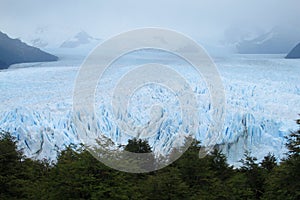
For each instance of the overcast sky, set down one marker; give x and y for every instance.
(200, 19)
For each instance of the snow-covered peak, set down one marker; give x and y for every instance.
(81, 38)
(49, 37)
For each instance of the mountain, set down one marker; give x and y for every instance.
(295, 53)
(79, 39)
(48, 37)
(277, 41)
(38, 42)
(14, 51)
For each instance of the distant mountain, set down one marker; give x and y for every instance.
(39, 43)
(14, 51)
(47, 37)
(295, 53)
(79, 39)
(277, 41)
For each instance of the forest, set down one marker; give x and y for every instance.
(78, 175)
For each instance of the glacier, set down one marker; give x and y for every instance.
(262, 102)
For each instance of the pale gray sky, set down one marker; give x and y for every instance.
(200, 19)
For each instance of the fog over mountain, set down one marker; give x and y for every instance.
(206, 21)
(279, 40)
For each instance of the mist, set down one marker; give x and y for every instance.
(208, 21)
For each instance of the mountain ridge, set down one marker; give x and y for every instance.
(279, 40)
(13, 51)
(294, 53)
(81, 38)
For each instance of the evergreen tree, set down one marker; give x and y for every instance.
(293, 143)
(283, 182)
(138, 146)
(254, 175)
(219, 165)
(75, 175)
(10, 168)
(269, 162)
(165, 184)
(20, 177)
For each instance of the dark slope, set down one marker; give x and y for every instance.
(14, 51)
(295, 53)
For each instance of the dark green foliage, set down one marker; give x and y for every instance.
(10, 160)
(78, 175)
(19, 177)
(138, 146)
(165, 184)
(254, 175)
(293, 144)
(269, 162)
(284, 181)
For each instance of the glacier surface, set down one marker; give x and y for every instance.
(262, 102)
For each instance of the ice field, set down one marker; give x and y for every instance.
(262, 102)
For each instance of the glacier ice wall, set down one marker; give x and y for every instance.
(262, 101)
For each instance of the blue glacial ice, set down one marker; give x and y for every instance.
(262, 102)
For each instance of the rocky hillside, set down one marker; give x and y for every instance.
(295, 53)
(14, 51)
